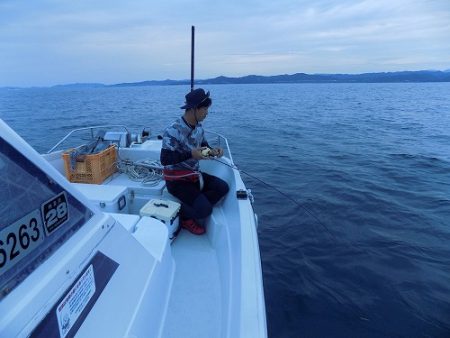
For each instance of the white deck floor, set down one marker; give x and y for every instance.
(195, 305)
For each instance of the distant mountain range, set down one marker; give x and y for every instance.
(404, 76)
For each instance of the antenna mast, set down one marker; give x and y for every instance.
(192, 57)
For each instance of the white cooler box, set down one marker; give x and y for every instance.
(166, 211)
(110, 198)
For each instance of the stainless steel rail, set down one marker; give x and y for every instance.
(92, 128)
(226, 146)
(221, 140)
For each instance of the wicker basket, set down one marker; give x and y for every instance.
(94, 168)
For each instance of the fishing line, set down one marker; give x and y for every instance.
(356, 313)
(305, 209)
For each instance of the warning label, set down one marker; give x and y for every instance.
(75, 301)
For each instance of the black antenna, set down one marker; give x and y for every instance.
(192, 57)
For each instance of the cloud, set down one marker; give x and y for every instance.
(117, 41)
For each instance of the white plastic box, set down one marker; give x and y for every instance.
(166, 211)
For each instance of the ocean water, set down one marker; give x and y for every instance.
(361, 245)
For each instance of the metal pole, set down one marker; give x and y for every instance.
(192, 57)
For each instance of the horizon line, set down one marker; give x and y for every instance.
(181, 81)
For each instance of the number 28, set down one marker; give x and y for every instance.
(55, 214)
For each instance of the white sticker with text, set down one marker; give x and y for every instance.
(75, 301)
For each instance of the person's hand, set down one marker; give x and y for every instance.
(197, 153)
(217, 152)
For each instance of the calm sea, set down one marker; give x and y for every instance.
(365, 250)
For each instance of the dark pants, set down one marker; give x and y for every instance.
(196, 203)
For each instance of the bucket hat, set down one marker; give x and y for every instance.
(195, 98)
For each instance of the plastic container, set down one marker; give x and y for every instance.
(94, 168)
(166, 211)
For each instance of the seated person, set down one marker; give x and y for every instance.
(182, 146)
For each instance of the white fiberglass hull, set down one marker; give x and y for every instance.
(196, 286)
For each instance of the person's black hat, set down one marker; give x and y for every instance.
(195, 98)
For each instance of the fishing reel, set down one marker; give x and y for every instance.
(207, 152)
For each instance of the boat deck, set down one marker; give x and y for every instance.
(195, 303)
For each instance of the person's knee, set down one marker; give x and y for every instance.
(204, 211)
(222, 189)
(226, 188)
(202, 206)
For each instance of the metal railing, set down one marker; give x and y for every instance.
(220, 139)
(226, 146)
(92, 128)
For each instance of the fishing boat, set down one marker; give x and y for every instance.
(82, 256)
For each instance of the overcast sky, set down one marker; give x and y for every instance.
(48, 42)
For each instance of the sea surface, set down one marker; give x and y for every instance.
(356, 241)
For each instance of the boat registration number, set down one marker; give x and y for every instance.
(24, 235)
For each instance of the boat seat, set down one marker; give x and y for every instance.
(126, 220)
(153, 236)
(149, 231)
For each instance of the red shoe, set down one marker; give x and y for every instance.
(192, 226)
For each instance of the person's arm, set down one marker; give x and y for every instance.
(172, 152)
(170, 157)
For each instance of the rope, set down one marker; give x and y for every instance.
(148, 172)
(144, 171)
